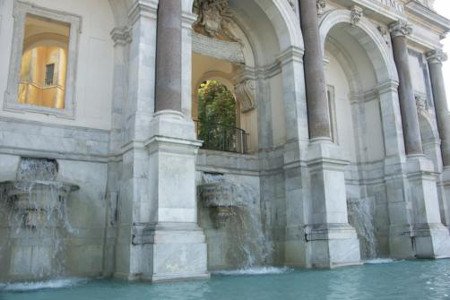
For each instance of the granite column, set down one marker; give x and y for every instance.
(435, 59)
(410, 118)
(316, 93)
(329, 239)
(168, 56)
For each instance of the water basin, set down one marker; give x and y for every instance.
(383, 280)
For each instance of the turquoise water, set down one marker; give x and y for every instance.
(394, 280)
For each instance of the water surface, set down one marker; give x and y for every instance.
(382, 279)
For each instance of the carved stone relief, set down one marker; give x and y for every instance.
(321, 4)
(356, 15)
(214, 18)
(421, 104)
(246, 94)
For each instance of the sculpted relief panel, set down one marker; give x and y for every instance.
(214, 18)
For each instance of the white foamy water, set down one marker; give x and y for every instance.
(40, 285)
(255, 271)
(379, 261)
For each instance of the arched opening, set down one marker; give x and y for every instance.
(254, 49)
(217, 124)
(355, 72)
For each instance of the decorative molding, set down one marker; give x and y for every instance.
(143, 8)
(355, 15)
(436, 56)
(121, 36)
(400, 28)
(321, 5)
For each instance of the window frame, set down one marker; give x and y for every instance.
(21, 10)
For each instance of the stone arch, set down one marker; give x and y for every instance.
(281, 15)
(375, 45)
(430, 138)
(361, 54)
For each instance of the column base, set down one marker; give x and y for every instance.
(333, 245)
(431, 238)
(179, 252)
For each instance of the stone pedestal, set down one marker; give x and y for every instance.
(333, 242)
(430, 238)
(178, 244)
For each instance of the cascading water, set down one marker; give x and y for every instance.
(235, 237)
(361, 213)
(37, 220)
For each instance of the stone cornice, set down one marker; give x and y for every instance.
(436, 56)
(428, 16)
(400, 28)
(385, 11)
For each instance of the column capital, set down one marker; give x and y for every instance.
(436, 56)
(121, 36)
(400, 28)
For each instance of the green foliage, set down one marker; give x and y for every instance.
(217, 116)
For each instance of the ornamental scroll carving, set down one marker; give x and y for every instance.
(246, 94)
(400, 28)
(436, 56)
(214, 19)
(356, 15)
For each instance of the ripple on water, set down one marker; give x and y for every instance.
(255, 271)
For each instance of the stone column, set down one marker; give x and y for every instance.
(410, 118)
(168, 56)
(429, 238)
(435, 59)
(178, 246)
(316, 93)
(329, 239)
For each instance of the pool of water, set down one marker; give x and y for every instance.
(375, 280)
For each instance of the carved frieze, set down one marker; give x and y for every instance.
(214, 18)
(246, 94)
(400, 28)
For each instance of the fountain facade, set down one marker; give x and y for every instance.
(344, 160)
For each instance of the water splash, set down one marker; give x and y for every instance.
(40, 285)
(37, 219)
(361, 213)
(234, 209)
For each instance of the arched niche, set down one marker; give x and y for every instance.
(358, 67)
